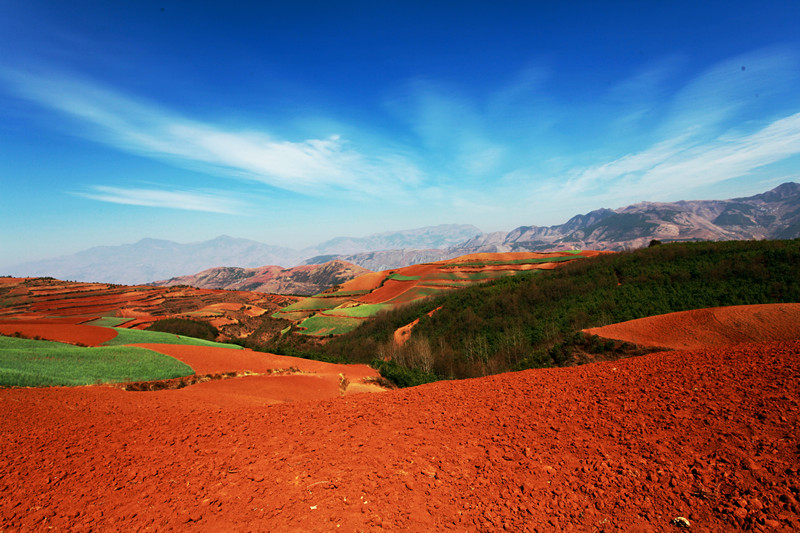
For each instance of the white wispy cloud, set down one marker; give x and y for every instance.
(315, 166)
(208, 201)
(728, 121)
(683, 163)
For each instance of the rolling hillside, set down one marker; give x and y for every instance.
(535, 321)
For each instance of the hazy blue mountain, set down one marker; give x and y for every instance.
(153, 259)
(773, 214)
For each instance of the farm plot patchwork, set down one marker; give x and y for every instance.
(342, 310)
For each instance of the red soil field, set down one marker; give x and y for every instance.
(514, 256)
(391, 289)
(365, 282)
(212, 360)
(710, 435)
(261, 391)
(716, 326)
(277, 379)
(56, 330)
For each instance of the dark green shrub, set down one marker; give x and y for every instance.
(402, 376)
(186, 327)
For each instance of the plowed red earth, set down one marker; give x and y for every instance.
(716, 326)
(210, 360)
(57, 330)
(710, 435)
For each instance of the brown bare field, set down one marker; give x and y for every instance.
(716, 326)
(710, 435)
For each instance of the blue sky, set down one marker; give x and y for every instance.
(294, 122)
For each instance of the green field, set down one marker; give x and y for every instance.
(296, 315)
(328, 325)
(32, 363)
(359, 311)
(138, 336)
(400, 277)
(108, 321)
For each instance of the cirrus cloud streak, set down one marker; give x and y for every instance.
(314, 167)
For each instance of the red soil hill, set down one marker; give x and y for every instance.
(716, 326)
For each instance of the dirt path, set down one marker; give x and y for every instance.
(709, 435)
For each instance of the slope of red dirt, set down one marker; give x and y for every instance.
(277, 379)
(710, 435)
(59, 331)
(212, 360)
(403, 333)
(709, 327)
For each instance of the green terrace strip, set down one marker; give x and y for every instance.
(328, 325)
(400, 277)
(32, 363)
(108, 321)
(138, 336)
(359, 311)
(532, 261)
(315, 304)
(296, 315)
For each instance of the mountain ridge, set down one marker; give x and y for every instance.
(152, 259)
(773, 214)
(304, 280)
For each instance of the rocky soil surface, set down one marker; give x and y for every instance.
(709, 435)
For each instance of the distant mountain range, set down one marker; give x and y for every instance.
(771, 215)
(153, 259)
(301, 280)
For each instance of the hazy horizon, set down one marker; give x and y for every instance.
(292, 124)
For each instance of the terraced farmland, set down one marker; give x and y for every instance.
(341, 309)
